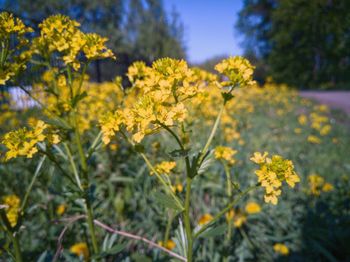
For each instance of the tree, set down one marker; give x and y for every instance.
(303, 43)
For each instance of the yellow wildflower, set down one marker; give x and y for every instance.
(313, 139)
(61, 209)
(273, 171)
(168, 245)
(205, 219)
(302, 119)
(81, 250)
(252, 208)
(238, 70)
(327, 187)
(281, 249)
(164, 167)
(12, 203)
(178, 188)
(225, 153)
(238, 217)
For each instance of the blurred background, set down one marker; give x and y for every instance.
(304, 43)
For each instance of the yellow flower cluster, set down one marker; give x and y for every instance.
(12, 203)
(164, 167)
(225, 153)
(81, 250)
(238, 70)
(13, 59)
(23, 142)
(61, 35)
(317, 184)
(273, 171)
(281, 249)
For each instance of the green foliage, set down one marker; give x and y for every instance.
(303, 43)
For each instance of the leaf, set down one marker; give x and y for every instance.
(110, 252)
(57, 122)
(179, 153)
(214, 231)
(205, 165)
(166, 201)
(77, 98)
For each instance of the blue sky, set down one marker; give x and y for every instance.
(209, 27)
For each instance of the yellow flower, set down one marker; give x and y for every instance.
(258, 158)
(302, 119)
(205, 219)
(252, 208)
(225, 153)
(327, 187)
(238, 217)
(164, 167)
(281, 249)
(61, 209)
(238, 70)
(168, 245)
(325, 130)
(12, 203)
(273, 171)
(80, 250)
(178, 188)
(313, 139)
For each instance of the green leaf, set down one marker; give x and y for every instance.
(110, 252)
(58, 122)
(165, 201)
(179, 153)
(78, 98)
(214, 231)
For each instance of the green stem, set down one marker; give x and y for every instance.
(228, 180)
(225, 210)
(91, 225)
(94, 145)
(74, 168)
(211, 136)
(187, 160)
(29, 189)
(168, 227)
(187, 219)
(16, 246)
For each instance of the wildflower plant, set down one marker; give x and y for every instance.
(164, 98)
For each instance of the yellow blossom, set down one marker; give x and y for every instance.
(252, 208)
(61, 209)
(205, 219)
(313, 139)
(273, 171)
(12, 206)
(164, 167)
(281, 249)
(168, 245)
(81, 250)
(225, 153)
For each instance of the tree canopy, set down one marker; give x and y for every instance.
(304, 43)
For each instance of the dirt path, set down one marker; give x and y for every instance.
(334, 99)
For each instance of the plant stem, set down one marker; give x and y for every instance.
(187, 220)
(168, 227)
(29, 189)
(16, 246)
(91, 225)
(89, 212)
(211, 136)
